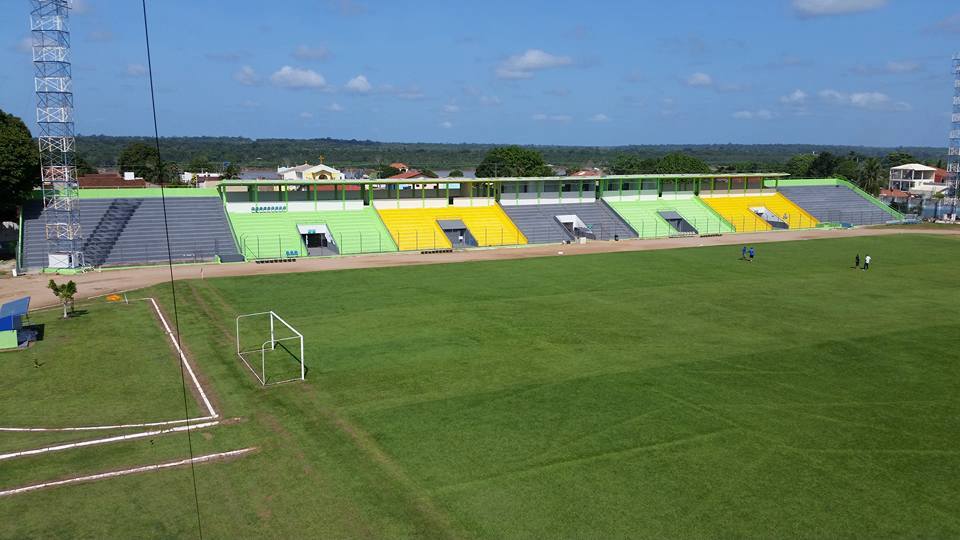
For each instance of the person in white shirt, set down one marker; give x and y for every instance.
(866, 262)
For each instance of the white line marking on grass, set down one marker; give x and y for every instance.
(93, 442)
(183, 358)
(102, 428)
(212, 413)
(125, 472)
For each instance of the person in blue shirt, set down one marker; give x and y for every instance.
(743, 253)
(752, 253)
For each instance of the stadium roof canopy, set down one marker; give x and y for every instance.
(507, 179)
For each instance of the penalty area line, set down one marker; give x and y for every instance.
(125, 472)
(80, 444)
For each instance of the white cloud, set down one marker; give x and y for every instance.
(291, 77)
(490, 101)
(334, 107)
(359, 84)
(249, 104)
(761, 114)
(136, 70)
(306, 52)
(246, 76)
(797, 97)
(821, 8)
(832, 96)
(599, 117)
(864, 100)
(451, 108)
(699, 79)
(540, 117)
(306, 115)
(82, 7)
(523, 65)
(902, 67)
(446, 124)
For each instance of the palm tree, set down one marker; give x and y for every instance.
(65, 293)
(871, 176)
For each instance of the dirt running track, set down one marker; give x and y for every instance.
(99, 283)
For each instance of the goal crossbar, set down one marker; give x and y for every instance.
(269, 345)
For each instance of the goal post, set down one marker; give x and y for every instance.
(270, 347)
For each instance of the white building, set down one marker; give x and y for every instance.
(310, 172)
(906, 177)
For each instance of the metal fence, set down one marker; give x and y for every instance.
(103, 254)
(267, 246)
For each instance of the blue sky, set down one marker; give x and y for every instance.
(871, 72)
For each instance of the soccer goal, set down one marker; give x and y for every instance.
(271, 348)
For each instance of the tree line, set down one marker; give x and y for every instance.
(19, 171)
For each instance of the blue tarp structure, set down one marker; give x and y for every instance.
(16, 307)
(12, 312)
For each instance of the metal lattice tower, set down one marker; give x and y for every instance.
(953, 153)
(53, 83)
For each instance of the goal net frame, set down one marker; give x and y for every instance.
(250, 356)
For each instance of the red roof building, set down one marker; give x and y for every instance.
(109, 180)
(400, 166)
(408, 175)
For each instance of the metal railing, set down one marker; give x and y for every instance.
(280, 246)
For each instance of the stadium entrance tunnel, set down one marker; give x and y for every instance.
(318, 240)
(457, 232)
(575, 226)
(774, 220)
(678, 222)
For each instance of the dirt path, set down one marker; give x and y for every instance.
(100, 283)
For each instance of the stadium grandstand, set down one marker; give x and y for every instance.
(247, 220)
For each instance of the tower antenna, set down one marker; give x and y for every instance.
(53, 83)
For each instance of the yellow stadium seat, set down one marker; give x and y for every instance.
(738, 211)
(417, 228)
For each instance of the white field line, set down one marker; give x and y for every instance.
(129, 437)
(102, 428)
(183, 358)
(125, 472)
(193, 377)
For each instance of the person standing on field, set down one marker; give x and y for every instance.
(866, 262)
(743, 253)
(752, 253)
(856, 261)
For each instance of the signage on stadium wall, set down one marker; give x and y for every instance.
(268, 208)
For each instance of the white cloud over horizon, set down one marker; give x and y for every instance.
(760, 114)
(292, 77)
(825, 8)
(246, 76)
(359, 85)
(699, 79)
(525, 64)
(863, 100)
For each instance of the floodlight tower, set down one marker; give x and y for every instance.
(953, 153)
(53, 84)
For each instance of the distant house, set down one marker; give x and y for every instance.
(409, 174)
(310, 172)
(917, 180)
(588, 173)
(402, 167)
(110, 180)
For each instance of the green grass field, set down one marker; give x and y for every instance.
(649, 394)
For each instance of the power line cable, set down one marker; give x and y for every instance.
(173, 290)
